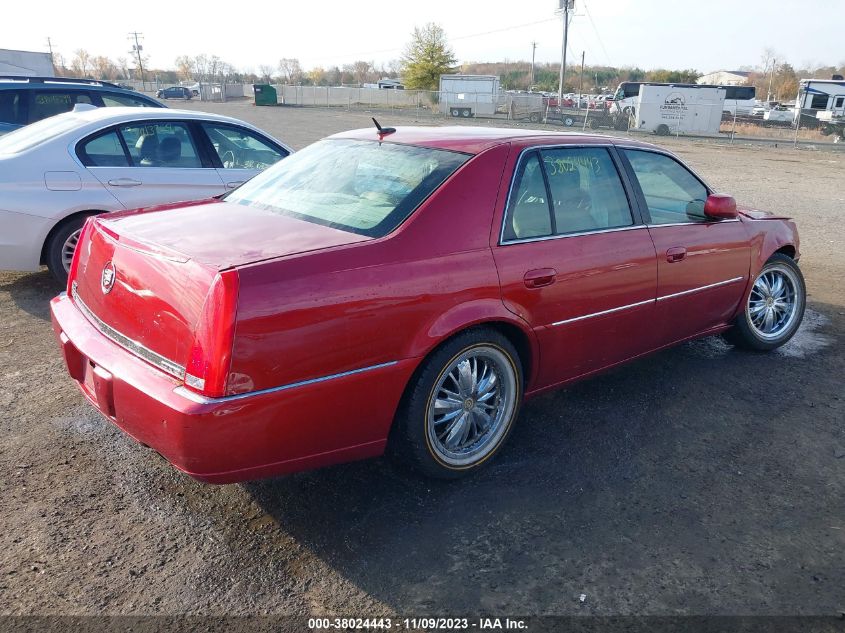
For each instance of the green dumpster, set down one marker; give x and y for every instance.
(265, 94)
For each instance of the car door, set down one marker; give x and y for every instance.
(161, 163)
(240, 153)
(702, 264)
(576, 262)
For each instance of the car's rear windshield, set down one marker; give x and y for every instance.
(363, 187)
(36, 133)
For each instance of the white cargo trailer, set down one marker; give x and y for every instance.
(817, 96)
(679, 110)
(469, 95)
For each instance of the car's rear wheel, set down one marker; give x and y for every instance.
(773, 309)
(461, 405)
(61, 246)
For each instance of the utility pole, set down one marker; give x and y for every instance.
(533, 51)
(52, 59)
(136, 49)
(771, 77)
(581, 84)
(565, 7)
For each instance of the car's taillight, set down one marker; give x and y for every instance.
(211, 353)
(74, 263)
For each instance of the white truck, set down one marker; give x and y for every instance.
(675, 109)
(469, 95)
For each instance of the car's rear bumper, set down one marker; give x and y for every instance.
(21, 238)
(231, 439)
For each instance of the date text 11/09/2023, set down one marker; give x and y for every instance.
(414, 624)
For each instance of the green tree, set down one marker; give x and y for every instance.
(427, 56)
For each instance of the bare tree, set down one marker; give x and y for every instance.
(104, 68)
(290, 70)
(59, 65)
(185, 66)
(361, 71)
(81, 64)
(123, 67)
(266, 72)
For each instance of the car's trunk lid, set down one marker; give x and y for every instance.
(143, 277)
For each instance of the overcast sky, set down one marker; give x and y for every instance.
(702, 34)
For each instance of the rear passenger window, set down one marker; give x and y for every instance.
(103, 151)
(50, 103)
(163, 144)
(586, 192)
(11, 108)
(528, 206)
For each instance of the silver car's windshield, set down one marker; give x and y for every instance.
(36, 133)
(363, 187)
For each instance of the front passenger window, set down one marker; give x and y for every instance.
(673, 195)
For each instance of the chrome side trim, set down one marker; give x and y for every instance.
(200, 399)
(157, 360)
(528, 240)
(700, 288)
(603, 312)
(647, 301)
(706, 223)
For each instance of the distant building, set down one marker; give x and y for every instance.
(725, 78)
(25, 64)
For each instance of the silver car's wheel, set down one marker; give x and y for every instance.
(774, 308)
(773, 302)
(460, 405)
(471, 406)
(69, 248)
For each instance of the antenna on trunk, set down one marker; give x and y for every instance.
(383, 131)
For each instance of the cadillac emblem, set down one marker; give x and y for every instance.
(107, 278)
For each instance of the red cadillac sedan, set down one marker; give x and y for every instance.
(405, 290)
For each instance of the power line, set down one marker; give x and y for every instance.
(452, 39)
(598, 37)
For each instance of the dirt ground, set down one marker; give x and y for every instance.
(701, 480)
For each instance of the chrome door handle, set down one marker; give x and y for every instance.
(125, 182)
(234, 184)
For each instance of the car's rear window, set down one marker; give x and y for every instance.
(363, 187)
(36, 133)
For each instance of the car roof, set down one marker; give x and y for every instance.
(119, 114)
(474, 140)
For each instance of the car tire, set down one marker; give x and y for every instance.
(457, 437)
(778, 290)
(455, 112)
(61, 245)
(662, 130)
(568, 121)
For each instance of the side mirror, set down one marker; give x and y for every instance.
(720, 207)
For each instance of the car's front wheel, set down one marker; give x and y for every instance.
(461, 406)
(773, 309)
(61, 246)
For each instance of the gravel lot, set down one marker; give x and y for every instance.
(701, 480)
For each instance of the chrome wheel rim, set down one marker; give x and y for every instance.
(69, 248)
(471, 406)
(773, 302)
